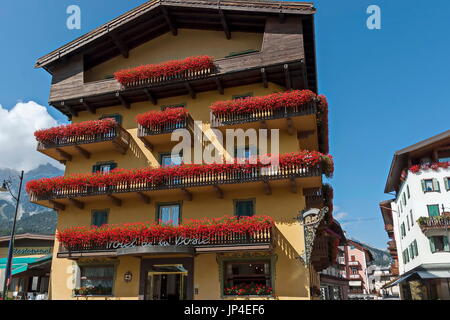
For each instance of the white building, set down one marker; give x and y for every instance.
(379, 277)
(419, 177)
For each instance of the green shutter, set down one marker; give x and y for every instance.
(99, 218)
(446, 181)
(446, 245)
(432, 246)
(113, 166)
(424, 189)
(436, 186)
(433, 210)
(244, 208)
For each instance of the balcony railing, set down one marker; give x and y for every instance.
(262, 115)
(261, 237)
(187, 123)
(354, 263)
(354, 277)
(439, 222)
(117, 135)
(181, 182)
(183, 76)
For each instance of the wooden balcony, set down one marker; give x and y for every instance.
(63, 149)
(160, 135)
(392, 246)
(301, 117)
(219, 183)
(256, 241)
(435, 225)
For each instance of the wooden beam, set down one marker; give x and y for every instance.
(76, 203)
(120, 45)
(64, 154)
(88, 106)
(281, 17)
(190, 90)
(219, 192)
(290, 126)
(287, 76)
(151, 97)
(226, 27)
(69, 109)
(219, 86)
(83, 152)
(305, 74)
(123, 101)
(187, 194)
(115, 200)
(264, 77)
(144, 198)
(293, 185)
(57, 205)
(172, 26)
(267, 188)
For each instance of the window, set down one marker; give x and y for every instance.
(430, 185)
(401, 208)
(97, 279)
(403, 230)
(246, 273)
(407, 191)
(244, 208)
(172, 106)
(169, 214)
(116, 116)
(433, 210)
(168, 161)
(99, 217)
(411, 251)
(439, 244)
(404, 199)
(243, 96)
(245, 152)
(416, 249)
(104, 167)
(407, 221)
(354, 270)
(411, 217)
(447, 183)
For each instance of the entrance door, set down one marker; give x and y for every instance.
(166, 283)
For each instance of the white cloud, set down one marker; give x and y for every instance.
(17, 142)
(340, 215)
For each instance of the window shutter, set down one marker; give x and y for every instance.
(446, 181)
(95, 168)
(436, 186)
(113, 166)
(423, 186)
(446, 245)
(432, 246)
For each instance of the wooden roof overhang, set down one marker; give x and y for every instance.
(401, 157)
(288, 74)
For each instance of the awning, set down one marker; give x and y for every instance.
(395, 282)
(432, 274)
(23, 264)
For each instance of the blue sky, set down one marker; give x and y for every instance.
(387, 88)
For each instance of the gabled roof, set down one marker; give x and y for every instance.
(156, 17)
(400, 160)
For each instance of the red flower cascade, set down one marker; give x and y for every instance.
(158, 118)
(75, 129)
(165, 69)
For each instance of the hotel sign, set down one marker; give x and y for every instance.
(179, 241)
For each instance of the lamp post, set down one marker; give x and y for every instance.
(7, 187)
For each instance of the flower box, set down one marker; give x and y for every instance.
(155, 118)
(168, 70)
(87, 128)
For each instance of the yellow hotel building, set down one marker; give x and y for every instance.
(259, 48)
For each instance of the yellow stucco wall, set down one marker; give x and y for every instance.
(187, 43)
(292, 278)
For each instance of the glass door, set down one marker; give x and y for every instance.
(166, 283)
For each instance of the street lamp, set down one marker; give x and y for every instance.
(6, 186)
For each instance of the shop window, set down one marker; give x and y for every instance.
(169, 214)
(439, 244)
(99, 217)
(104, 167)
(244, 208)
(96, 280)
(430, 185)
(433, 210)
(247, 278)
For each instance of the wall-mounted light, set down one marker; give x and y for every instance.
(128, 276)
